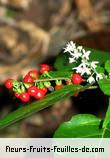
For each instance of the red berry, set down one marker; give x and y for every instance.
(59, 86)
(28, 79)
(44, 89)
(17, 95)
(32, 90)
(44, 67)
(40, 94)
(76, 79)
(34, 74)
(8, 83)
(25, 97)
(76, 94)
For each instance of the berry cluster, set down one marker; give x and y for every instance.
(37, 84)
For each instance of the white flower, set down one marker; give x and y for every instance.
(74, 51)
(93, 64)
(86, 54)
(70, 47)
(76, 54)
(99, 76)
(91, 79)
(87, 70)
(79, 55)
(83, 69)
(72, 60)
(79, 70)
(85, 62)
(80, 48)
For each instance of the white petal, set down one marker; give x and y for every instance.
(86, 54)
(81, 69)
(90, 79)
(72, 44)
(87, 70)
(80, 48)
(70, 47)
(93, 64)
(77, 54)
(72, 60)
(99, 77)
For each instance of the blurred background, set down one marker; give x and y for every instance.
(34, 31)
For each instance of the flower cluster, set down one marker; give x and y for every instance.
(84, 67)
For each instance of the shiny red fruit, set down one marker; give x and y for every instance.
(17, 95)
(44, 67)
(34, 74)
(28, 79)
(32, 90)
(40, 94)
(76, 94)
(76, 79)
(59, 86)
(44, 89)
(8, 83)
(25, 97)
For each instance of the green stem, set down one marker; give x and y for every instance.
(93, 87)
(52, 79)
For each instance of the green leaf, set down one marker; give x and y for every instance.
(98, 55)
(105, 86)
(107, 117)
(62, 61)
(36, 106)
(82, 126)
(58, 74)
(61, 73)
(100, 69)
(107, 66)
